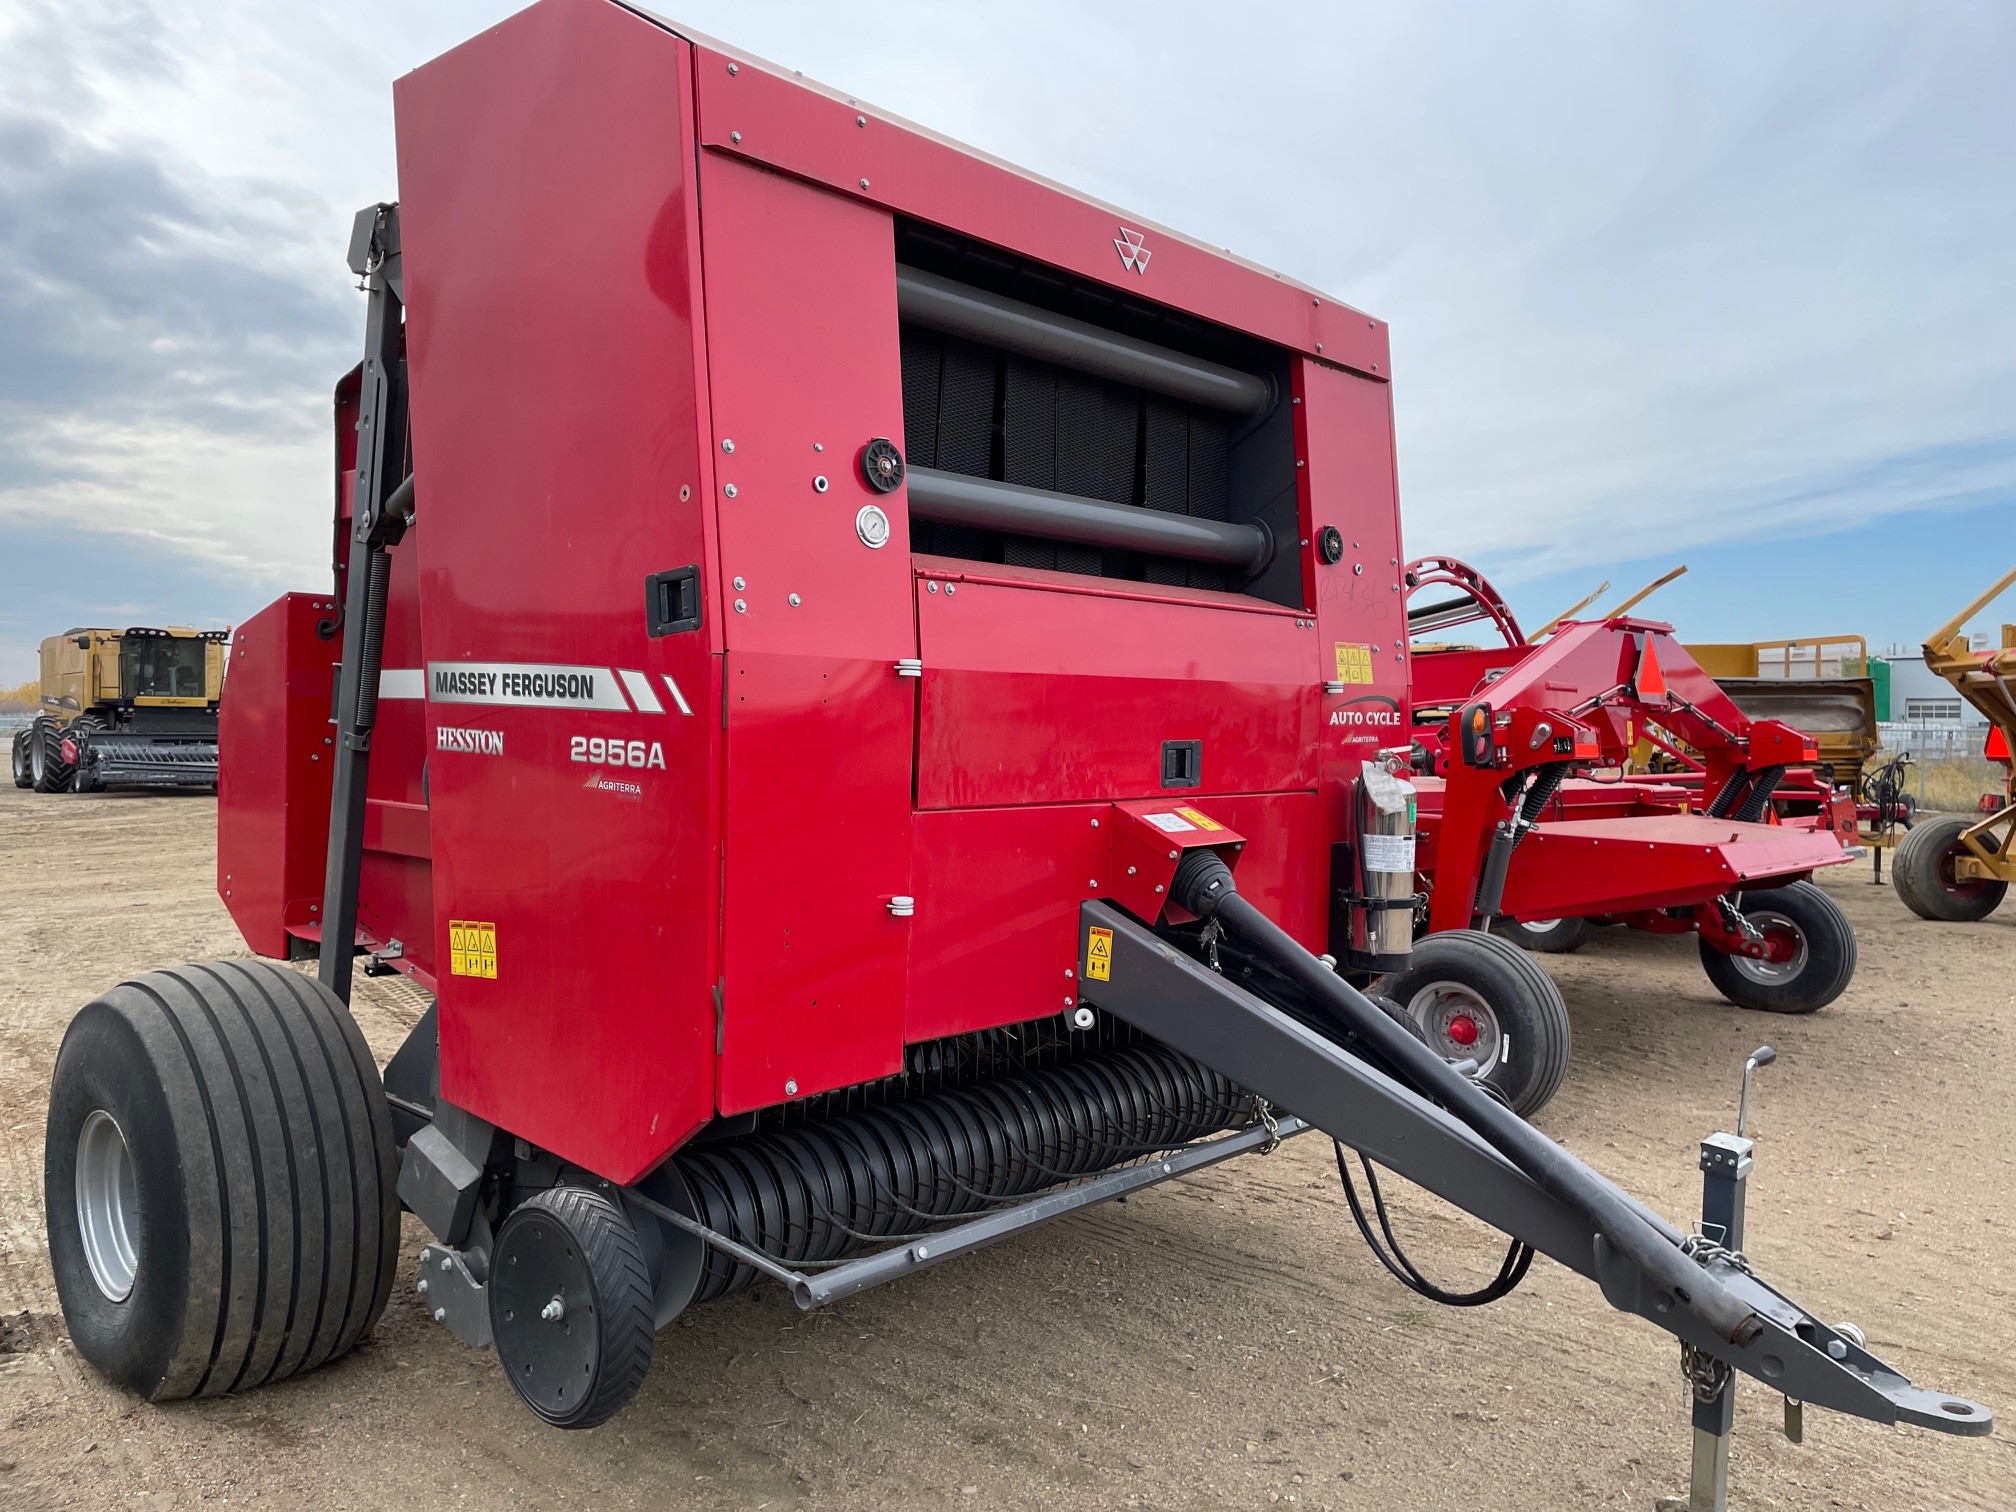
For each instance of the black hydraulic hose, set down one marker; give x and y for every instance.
(1204, 885)
(1733, 789)
(1759, 797)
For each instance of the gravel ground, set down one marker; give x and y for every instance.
(1221, 1342)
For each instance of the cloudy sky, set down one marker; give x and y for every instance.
(1724, 284)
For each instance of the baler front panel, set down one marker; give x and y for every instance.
(801, 311)
(558, 417)
(995, 939)
(1039, 692)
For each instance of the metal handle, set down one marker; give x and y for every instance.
(1763, 1055)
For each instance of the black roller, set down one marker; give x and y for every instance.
(833, 1186)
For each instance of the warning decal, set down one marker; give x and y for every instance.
(1202, 821)
(1354, 662)
(1099, 956)
(472, 949)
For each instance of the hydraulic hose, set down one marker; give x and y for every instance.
(1204, 885)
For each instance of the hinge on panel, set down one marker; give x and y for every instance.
(910, 666)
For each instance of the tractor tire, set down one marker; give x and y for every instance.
(23, 778)
(1818, 973)
(571, 1306)
(1922, 872)
(1474, 995)
(1548, 936)
(218, 1180)
(48, 771)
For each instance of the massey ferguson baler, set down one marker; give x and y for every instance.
(862, 683)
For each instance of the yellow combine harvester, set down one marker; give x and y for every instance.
(1953, 867)
(124, 708)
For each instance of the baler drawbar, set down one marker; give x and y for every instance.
(828, 853)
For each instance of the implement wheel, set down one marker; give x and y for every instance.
(1813, 952)
(23, 778)
(571, 1306)
(48, 772)
(218, 1180)
(1549, 936)
(1475, 996)
(1923, 874)
(77, 749)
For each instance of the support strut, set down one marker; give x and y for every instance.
(1431, 1130)
(379, 514)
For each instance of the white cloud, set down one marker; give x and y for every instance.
(1657, 275)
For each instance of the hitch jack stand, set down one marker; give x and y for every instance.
(1725, 1176)
(1725, 1181)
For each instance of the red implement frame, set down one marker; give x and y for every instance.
(1648, 852)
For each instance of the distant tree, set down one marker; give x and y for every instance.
(28, 694)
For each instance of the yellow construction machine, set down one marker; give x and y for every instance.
(1953, 866)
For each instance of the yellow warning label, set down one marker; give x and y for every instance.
(1354, 662)
(1202, 821)
(472, 949)
(1099, 956)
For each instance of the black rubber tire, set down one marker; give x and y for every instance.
(1830, 953)
(1921, 869)
(607, 1289)
(1557, 937)
(263, 1178)
(19, 754)
(1531, 1019)
(51, 773)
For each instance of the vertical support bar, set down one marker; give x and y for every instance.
(1725, 1176)
(374, 257)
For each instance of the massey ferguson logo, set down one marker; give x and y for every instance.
(476, 742)
(1133, 249)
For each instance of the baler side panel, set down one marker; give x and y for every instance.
(557, 415)
(273, 779)
(1346, 437)
(803, 371)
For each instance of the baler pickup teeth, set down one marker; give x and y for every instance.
(1446, 1134)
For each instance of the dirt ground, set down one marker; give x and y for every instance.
(1224, 1341)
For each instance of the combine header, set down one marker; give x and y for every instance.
(866, 690)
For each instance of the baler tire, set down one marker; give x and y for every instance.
(1822, 971)
(1549, 936)
(1922, 872)
(46, 765)
(238, 1180)
(23, 778)
(1522, 1000)
(607, 1283)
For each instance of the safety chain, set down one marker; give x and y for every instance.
(1706, 1376)
(1733, 920)
(1705, 1251)
(1264, 1112)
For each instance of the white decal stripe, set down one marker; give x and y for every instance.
(640, 691)
(677, 697)
(402, 682)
